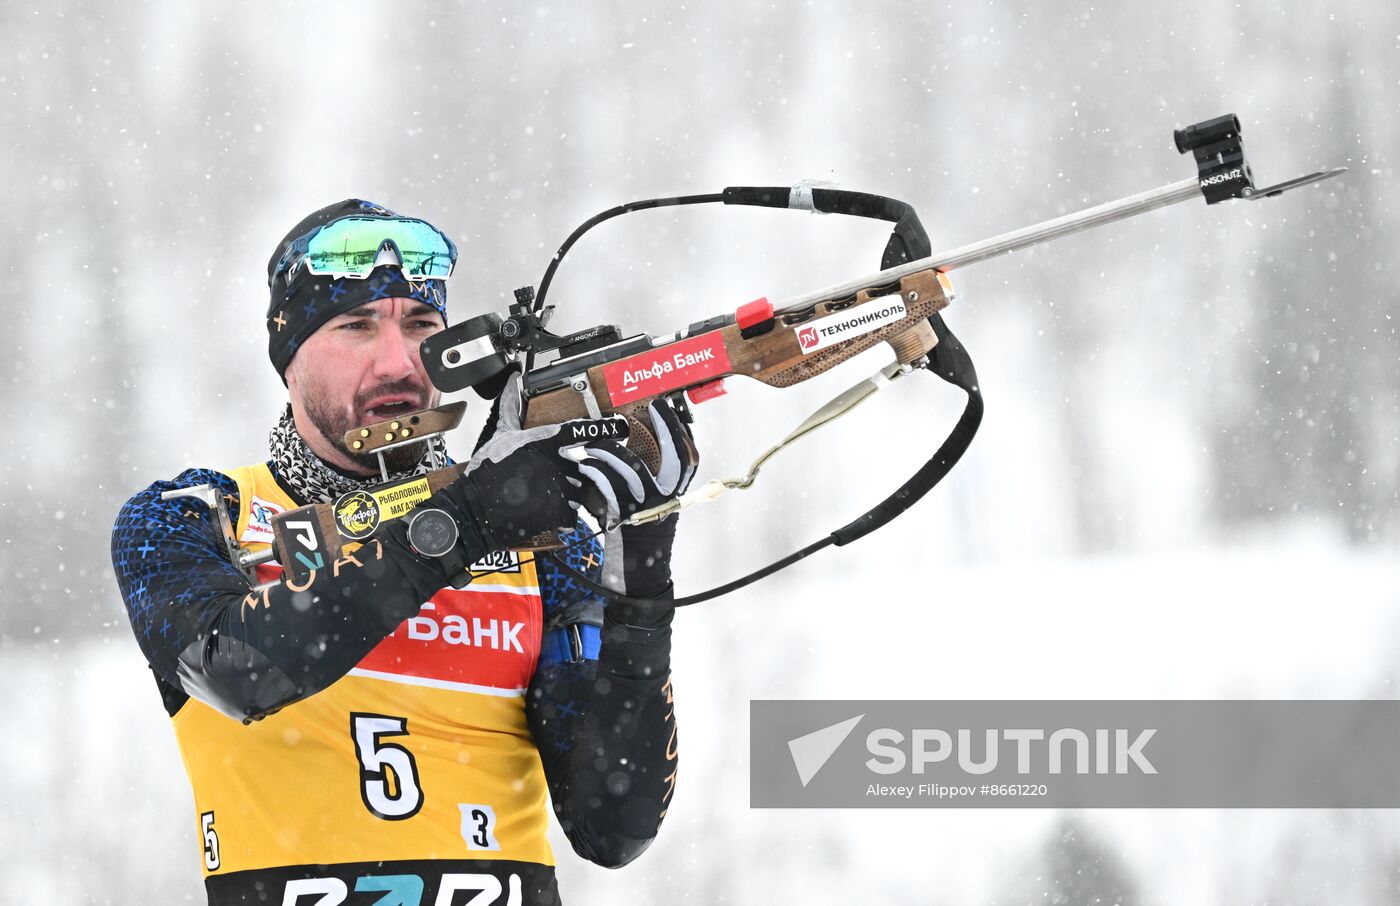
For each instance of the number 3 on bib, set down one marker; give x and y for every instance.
(479, 826)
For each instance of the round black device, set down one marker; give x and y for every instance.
(432, 533)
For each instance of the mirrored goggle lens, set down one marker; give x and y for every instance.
(349, 247)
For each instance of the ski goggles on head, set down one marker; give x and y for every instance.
(349, 247)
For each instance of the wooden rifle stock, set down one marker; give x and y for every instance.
(775, 356)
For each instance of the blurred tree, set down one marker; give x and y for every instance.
(73, 221)
(1334, 856)
(1311, 427)
(1081, 870)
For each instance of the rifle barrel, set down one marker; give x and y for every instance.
(1059, 227)
(1068, 225)
(1015, 240)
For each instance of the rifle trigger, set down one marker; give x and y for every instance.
(703, 392)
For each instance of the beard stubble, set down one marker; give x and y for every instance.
(333, 422)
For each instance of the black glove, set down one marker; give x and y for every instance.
(518, 485)
(637, 558)
(626, 484)
(531, 490)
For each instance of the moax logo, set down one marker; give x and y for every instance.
(614, 426)
(1228, 176)
(357, 515)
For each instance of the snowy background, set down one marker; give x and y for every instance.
(1185, 486)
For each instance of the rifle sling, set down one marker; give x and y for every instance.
(950, 361)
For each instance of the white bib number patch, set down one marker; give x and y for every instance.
(479, 827)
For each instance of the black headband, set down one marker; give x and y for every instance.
(301, 303)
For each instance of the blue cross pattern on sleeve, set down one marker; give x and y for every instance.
(167, 554)
(558, 590)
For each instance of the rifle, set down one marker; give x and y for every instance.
(599, 381)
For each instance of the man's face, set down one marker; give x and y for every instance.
(359, 368)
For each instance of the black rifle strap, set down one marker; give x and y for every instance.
(949, 360)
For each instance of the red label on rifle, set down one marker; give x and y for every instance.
(670, 367)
